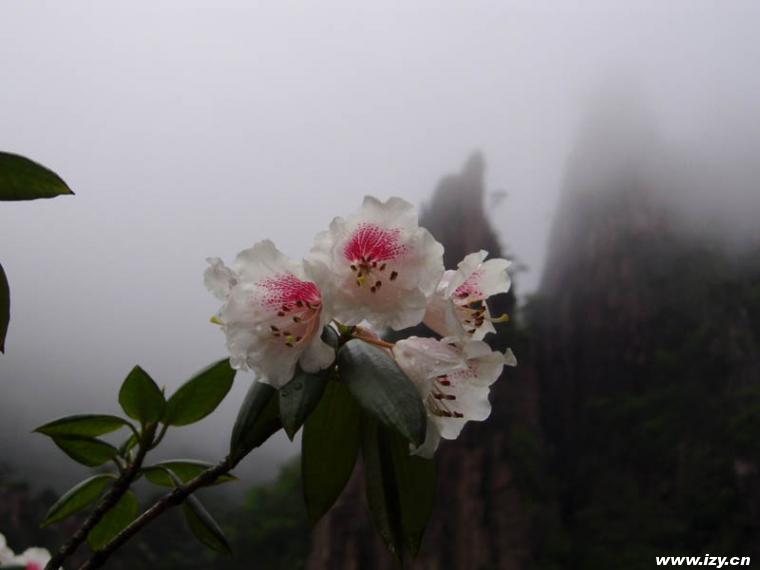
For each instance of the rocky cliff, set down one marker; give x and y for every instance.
(631, 427)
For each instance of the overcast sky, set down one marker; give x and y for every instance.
(190, 129)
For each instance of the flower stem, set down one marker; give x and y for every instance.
(375, 341)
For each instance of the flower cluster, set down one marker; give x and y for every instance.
(377, 268)
(30, 559)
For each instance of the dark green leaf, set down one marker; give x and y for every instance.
(5, 307)
(128, 445)
(203, 526)
(86, 450)
(400, 488)
(201, 523)
(330, 336)
(185, 470)
(299, 397)
(381, 388)
(330, 444)
(379, 479)
(78, 498)
(141, 398)
(200, 395)
(416, 485)
(114, 521)
(89, 425)
(257, 420)
(23, 179)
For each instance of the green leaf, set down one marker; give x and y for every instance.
(185, 469)
(5, 307)
(86, 450)
(203, 526)
(128, 445)
(89, 425)
(141, 398)
(114, 521)
(400, 488)
(200, 395)
(381, 388)
(330, 336)
(379, 487)
(78, 498)
(330, 445)
(257, 420)
(23, 179)
(299, 397)
(201, 523)
(416, 485)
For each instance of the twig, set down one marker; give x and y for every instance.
(109, 500)
(166, 502)
(375, 341)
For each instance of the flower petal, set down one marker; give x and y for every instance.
(218, 278)
(430, 445)
(317, 356)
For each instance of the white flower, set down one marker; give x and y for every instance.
(32, 559)
(272, 316)
(6, 554)
(381, 264)
(458, 307)
(453, 377)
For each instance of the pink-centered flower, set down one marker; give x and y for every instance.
(458, 306)
(381, 265)
(453, 376)
(273, 314)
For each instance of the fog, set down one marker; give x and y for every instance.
(192, 129)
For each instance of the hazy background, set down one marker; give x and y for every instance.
(190, 129)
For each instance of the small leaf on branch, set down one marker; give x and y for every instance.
(381, 388)
(141, 398)
(5, 307)
(299, 397)
(329, 448)
(203, 526)
(184, 469)
(86, 450)
(201, 523)
(89, 425)
(114, 521)
(78, 498)
(24, 179)
(400, 487)
(200, 395)
(257, 419)
(128, 445)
